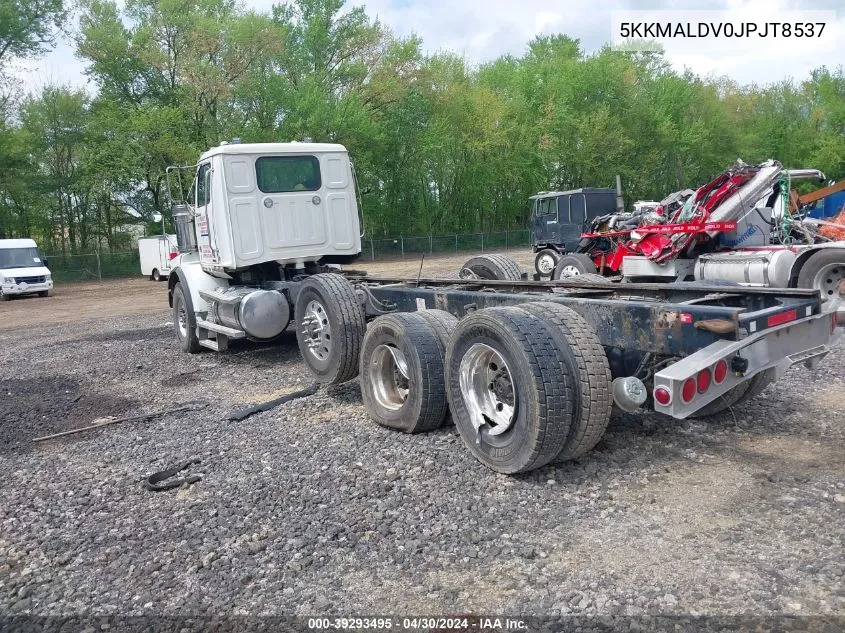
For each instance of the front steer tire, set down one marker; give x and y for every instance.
(402, 373)
(545, 262)
(516, 352)
(185, 321)
(330, 327)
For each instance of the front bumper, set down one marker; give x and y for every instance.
(25, 288)
(806, 340)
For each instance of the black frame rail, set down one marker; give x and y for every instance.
(664, 319)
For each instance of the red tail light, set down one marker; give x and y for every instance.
(720, 372)
(662, 396)
(783, 317)
(688, 390)
(703, 380)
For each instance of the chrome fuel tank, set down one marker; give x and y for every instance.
(762, 268)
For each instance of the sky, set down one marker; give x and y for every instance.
(482, 30)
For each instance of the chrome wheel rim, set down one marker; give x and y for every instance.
(182, 319)
(316, 330)
(390, 377)
(546, 264)
(828, 278)
(569, 271)
(486, 383)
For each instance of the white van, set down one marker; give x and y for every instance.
(156, 253)
(23, 270)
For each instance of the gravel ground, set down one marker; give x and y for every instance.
(311, 508)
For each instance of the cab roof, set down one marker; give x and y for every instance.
(293, 147)
(19, 243)
(551, 194)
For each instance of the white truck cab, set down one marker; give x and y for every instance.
(23, 270)
(257, 219)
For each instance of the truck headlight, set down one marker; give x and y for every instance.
(8, 280)
(48, 277)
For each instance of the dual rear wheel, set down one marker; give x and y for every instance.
(526, 385)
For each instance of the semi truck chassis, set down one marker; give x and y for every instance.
(530, 370)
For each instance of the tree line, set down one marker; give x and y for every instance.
(439, 145)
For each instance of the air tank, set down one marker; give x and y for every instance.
(762, 268)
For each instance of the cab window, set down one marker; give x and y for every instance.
(280, 174)
(203, 193)
(545, 206)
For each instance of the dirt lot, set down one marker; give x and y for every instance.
(311, 508)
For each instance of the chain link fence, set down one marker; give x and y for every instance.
(90, 266)
(106, 265)
(399, 247)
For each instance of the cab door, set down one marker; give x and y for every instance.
(202, 208)
(572, 211)
(546, 225)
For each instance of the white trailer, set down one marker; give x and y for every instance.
(157, 253)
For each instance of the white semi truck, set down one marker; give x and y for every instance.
(528, 369)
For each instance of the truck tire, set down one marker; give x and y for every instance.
(402, 373)
(739, 395)
(546, 261)
(587, 364)
(500, 267)
(443, 322)
(5, 297)
(185, 321)
(823, 271)
(574, 264)
(329, 327)
(156, 276)
(508, 391)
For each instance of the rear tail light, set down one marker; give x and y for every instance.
(720, 372)
(688, 390)
(662, 396)
(703, 380)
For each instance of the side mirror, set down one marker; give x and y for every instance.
(45, 262)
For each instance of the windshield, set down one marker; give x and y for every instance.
(20, 258)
